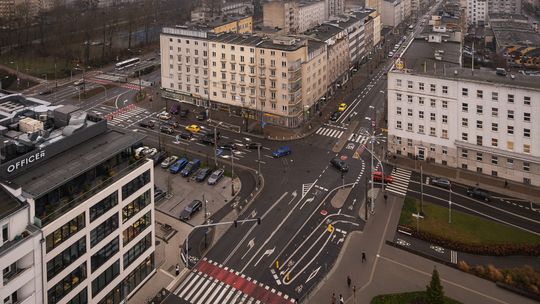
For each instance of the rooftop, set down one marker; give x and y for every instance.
(420, 55)
(9, 204)
(234, 38)
(323, 32)
(73, 162)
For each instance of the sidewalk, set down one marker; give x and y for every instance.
(493, 184)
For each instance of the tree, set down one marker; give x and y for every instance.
(434, 291)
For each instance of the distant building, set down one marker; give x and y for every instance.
(477, 12)
(238, 8)
(504, 6)
(226, 24)
(392, 12)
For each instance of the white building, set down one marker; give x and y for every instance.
(311, 14)
(477, 12)
(392, 12)
(504, 6)
(294, 16)
(477, 121)
(91, 199)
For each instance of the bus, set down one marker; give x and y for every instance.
(127, 63)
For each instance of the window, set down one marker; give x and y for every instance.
(444, 134)
(526, 166)
(464, 166)
(63, 233)
(510, 162)
(409, 98)
(479, 109)
(494, 96)
(409, 112)
(421, 129)
(398, 124)
(103, 206)
(510, 114)
(479, 169)
(103, 230)
(465, 107)
(464, 122)
(398, 96)
(479, 124)
(510, 145)
(445, 150)
(135, 184)
(421, 86)
(464, 153)
(398, 82)
(494, 112)
(479, 156)
(421, 114)
(432, 88)
(80, 298)
(136, 228)
(464, 136)
(398, 139)
(494, 173)
(409, 84)
(510, 98)
(65, 258)
(479, 94)
(527, 117)
(409, 142)
(432, 131)
(445, 119)
(445, 89)
(421, 100)
(64, 286)
(409, 127)
(494, 127)
(526, 148)
(432, 116)
(527, 133)
(105, 278)
(479, 140)
(494, 160)
(134, 252)
(526, 181)
(398, 110)
(445, 104)
(432, 103)
(103, 255)
(510, 129)
(464, 92)
(527, 100)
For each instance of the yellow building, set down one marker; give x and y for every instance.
(232, 24)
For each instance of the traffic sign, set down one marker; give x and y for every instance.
(343, 157)
(324, 212)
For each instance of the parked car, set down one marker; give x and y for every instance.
(202, 115)
(478, 193)
(207, 140)
(211, 134)
(253, 145)
(441, 182)
(46, 92)
(186, 135)
(191, 167)
(140, 152)
(164, 115)
(190, 210)
(378, 177)
(178, 165)
(339, 164)
(166, 130)
(202, 174)
(215, 176)
(159, 157)
(169, 161)
(150, 152)
(147, 124)
(335, 116)
(158, 194)
(78, 82)
(193, 128)
(282, 151)
(342, 107)
(228, 146)
(184, 113)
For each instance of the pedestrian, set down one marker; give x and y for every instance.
(341, 301)
(333, 298)
(177, 269)
(363, 257)
(506, 184)
(349, 281)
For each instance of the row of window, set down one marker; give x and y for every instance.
(421, 129)
(63, 233)
(105, 278)
(80, 298)
(399, 141)
(422, 100)
(103, 230)
(65, 258)
(136, 228)
(103, 255)
(136, 205)
(421, 115)
(510, 98)
(134, 252)
(66, 285)
(103, 206)
(495, 128)
(510, 114)
(422, 86)
(526, 166)
(135, 184)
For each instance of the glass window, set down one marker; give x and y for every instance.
(526, 166)
(445, 119)
(510, 145)
(479, 94)
(527, 117)
(63, 233)
(479, 156)
(445, 89)
(527, 100)
(510, 98)
(409, 127)
(432, 116)
(103, 230)
(409, 84)
(136, 228)
(479, 109)
(479, 124)
(444, 104)
(527, 132)
(464, 92)
(465, 107)
(444, 134)
(65, 258)
(479, 140)
(64, 286)
(135, 184)
(80, 298)
(494, 96)
(105, 278)
(432, 88)
(398, 82)
(134, 252)
(432, 131)
(464, 136)
(494, 160)
(526, 148)
(510, 129)
(464, 122)
(103, 255)
(409, 112)
(398, 110)
(494, 142)
(494, 112)
(398, 96)
(103, 206)
(510, 114)
(135, 206)
(464, 153)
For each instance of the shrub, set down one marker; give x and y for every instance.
(494, 274)
(479, 270)
(463, 266)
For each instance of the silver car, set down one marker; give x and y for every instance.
(215, 177)
(440, 182)
(169, 161)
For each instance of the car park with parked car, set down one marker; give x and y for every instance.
(215, 176)
(440, 182)
(190, 210)
(191, 167)
(169, 161)
(178, 165)
(202, 174)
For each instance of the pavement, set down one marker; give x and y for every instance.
(490, 183)
(390, 270)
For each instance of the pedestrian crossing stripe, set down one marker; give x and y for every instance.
(209, 282)
(329, 132)
(400, 183)
(358, 138)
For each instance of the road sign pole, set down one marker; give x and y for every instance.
(421, 190)
(450, 207)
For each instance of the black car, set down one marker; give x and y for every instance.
(184, 113)
(159, 194)
(166, 130)
(46, 92)
(202, 174)
(228, 146)
(186, 135)
(335, 116)
(202, 115)
(211, 135)
(159, 157)
(478, 193)
(253, 145)
(207, 140)
(147, 124)
(339, 164)
(190, 210)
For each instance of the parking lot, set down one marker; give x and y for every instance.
(185, 190)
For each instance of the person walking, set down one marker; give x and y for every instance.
(349, 281)
(333, 298)
(363, 257)
(177, 269)
(341, 301)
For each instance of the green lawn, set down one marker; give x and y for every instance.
(38, 66)
(465, 228)
(416, 297)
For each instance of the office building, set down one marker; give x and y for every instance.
(477, 12)
(293, 16)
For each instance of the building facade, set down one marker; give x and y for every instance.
(478, 122)
(392, 12)
(293, 16)
(477, 12)
(503, 6)
(311, 14)
(334, 8)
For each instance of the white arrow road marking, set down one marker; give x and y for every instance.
(267, 252)
(313, 274)
(309, 200)
(251, 243)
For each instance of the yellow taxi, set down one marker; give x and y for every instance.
(193, 128)
(342, 107)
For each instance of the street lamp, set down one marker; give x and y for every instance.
(374, 138)
(17, 64)
(450, 205)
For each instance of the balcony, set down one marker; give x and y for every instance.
(19, 241)
(295, 66)
(18, 277)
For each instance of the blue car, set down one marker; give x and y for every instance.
(282, 151)
(178, 165)
(191, 167)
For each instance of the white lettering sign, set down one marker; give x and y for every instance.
(23, 162)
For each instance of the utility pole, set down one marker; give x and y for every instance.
(205, 217)
(259, 164)
(450, 206)
(215, 146)
(421, 190)
(367, 201)
(232, 172)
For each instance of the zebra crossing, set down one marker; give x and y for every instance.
(210, 282)
(400, 182)
(128, 117)
(359, 138)
(329, 132)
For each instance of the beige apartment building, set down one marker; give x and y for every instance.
(314, 80)
(294, 17)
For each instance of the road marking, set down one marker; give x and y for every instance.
(453, 256)
(313, 274)
(266, 253)
(251, 243)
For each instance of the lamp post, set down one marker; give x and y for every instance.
(17, 65)
(450, 205)
(232, 171)
(374, 138)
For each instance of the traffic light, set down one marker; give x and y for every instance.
(258, 221)
(235, 224)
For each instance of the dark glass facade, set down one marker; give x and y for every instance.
(103, 230)
(62, 288)
(100, 257)
(105, 278)
(135, 206)
(63, 233)
(136, 228)
(80, 298)
(135, 184)
(134, 252)
(65, 258)
(103, 206)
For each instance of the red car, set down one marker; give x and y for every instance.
(378, 176)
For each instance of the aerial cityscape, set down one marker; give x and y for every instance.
(269, 151)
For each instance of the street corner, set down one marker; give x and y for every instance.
(339, 199)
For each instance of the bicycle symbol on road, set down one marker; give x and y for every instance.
(437, 249)
(299, 288)
(350, 146)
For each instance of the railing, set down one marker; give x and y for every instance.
(10, 276)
